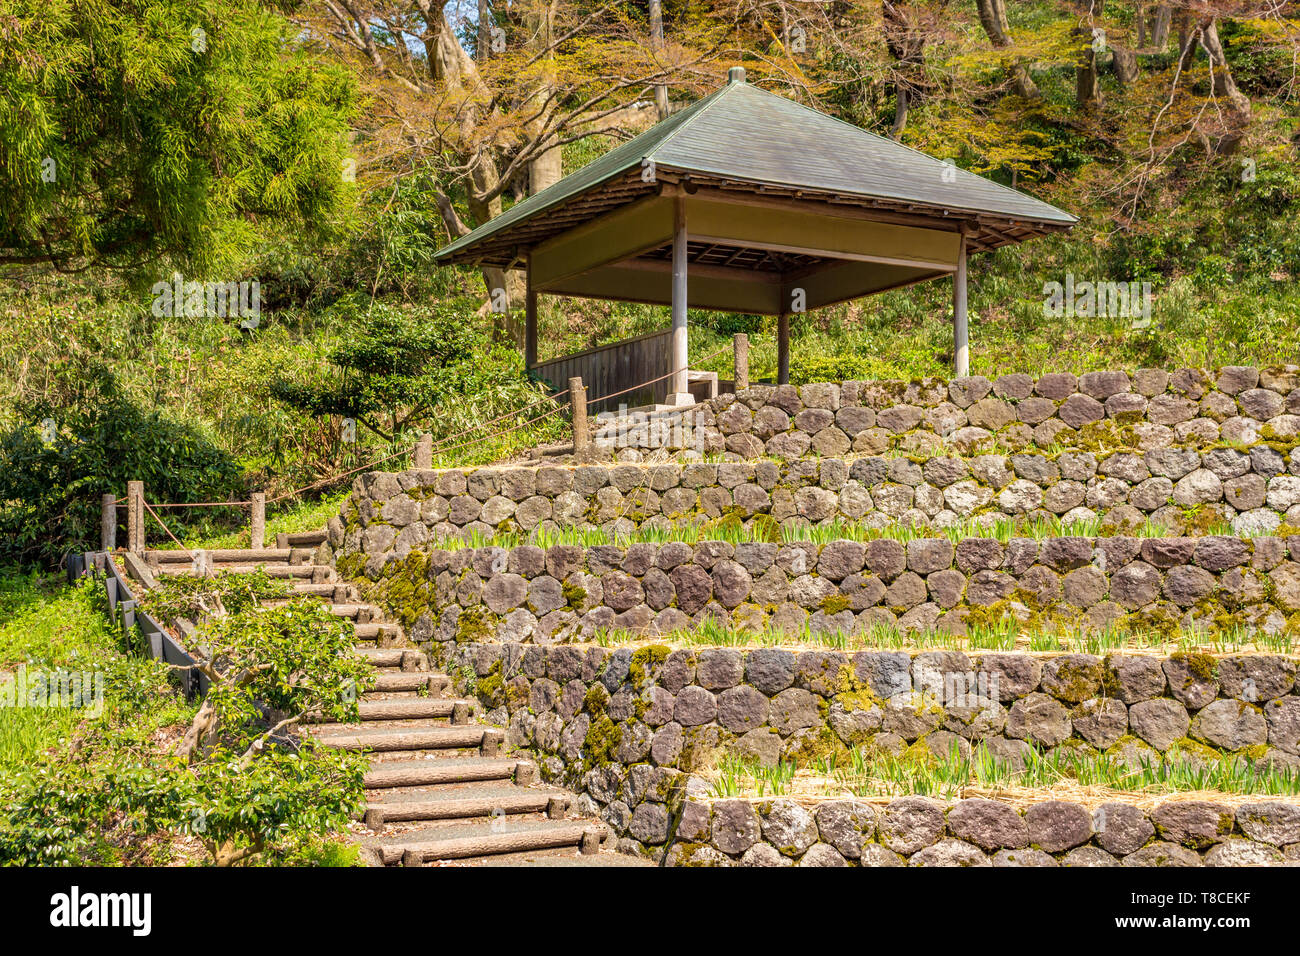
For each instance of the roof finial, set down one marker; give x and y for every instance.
(736, 74)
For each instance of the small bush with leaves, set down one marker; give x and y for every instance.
(196, 598)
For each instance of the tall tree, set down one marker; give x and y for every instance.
(556, 73)
(133, 131)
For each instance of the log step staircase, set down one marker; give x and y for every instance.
(440, 790)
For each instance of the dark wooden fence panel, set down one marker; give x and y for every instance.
(611, 368)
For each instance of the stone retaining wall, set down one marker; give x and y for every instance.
(1254, 490)
(627, 726)
(567, 593)
(915, 831)
(1150, 408)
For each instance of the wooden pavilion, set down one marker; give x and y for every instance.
(749, 202)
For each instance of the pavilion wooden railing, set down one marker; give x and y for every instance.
(613, 369)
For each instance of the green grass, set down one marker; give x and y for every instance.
(49, 627)
(733, 532)
(1006, 634)
(912, 773)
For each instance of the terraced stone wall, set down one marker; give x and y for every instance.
(627, 726)
(1255, 490)
(916, 831)
(567, 593)
(1151, 408)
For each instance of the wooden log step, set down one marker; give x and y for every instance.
(519, 800)
(352, 611)
(427, 773)
(325, 589)
(458, 843)
(428, 738)
(437, 684)
(291, 571)
(410, 708)
(372, 632)
(225, 556)
(383, 656)
(300, 539)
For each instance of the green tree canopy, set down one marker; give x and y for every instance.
(133, 131)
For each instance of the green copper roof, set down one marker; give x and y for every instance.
(743, 133)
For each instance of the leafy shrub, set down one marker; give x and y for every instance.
(401, 367)
(97, 440)
(194, 598)
(244, 781)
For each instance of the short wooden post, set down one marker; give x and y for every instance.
(578, 399)
(740, 345)
(423, 456)
(108, 522)
(135, 517)
(257, 523)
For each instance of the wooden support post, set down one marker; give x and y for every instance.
(530, 318)
(108, 522)
(783, 349)
(740, 346)
(578, 400)
(680, 380)
(960, 332)
(257, 522)
(135, 517)
(422, 458)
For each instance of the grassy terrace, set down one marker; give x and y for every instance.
(733, 531)
(1061, 774)
(1008, 634)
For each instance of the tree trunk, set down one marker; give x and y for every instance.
(1125, 64)
(1140, 17)
(1160, 28)
(900, 112)
(1085, 71)
(993, 17)
(1224, 86)
(657, 40)
(545, 170)
(484, 40)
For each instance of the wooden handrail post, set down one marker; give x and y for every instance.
(257, 524)
(740, 346)
(423, 456)
(578, 399)
(135, 517)
(108, 522)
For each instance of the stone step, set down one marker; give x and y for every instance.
(487, 739)
(468, 804)
(428, 773)
(464, 841)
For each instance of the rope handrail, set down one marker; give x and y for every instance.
(149, 508)
(504, 431)
(440, 447)
(442, 441)
(333, 478)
